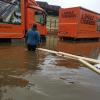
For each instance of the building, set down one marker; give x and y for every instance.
(52, 18)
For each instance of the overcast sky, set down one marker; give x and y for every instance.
(89, 4)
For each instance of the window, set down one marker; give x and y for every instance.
(39, 18)
(98, 25)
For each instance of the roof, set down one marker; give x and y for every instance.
(84, 9)
(50, 9)
(90, 10)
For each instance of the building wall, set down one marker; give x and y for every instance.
(52, 23)
(52, 18)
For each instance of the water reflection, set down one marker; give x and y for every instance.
(15, 63)
(26, 75)
(88, 49)
(16, 60)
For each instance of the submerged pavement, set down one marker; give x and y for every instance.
(26, 75)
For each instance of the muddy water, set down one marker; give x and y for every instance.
(26, 75)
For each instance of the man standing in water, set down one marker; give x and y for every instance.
(32, 38)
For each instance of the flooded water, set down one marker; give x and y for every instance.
(27, 75)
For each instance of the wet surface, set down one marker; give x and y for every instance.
(27, 75)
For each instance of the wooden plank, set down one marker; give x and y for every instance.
(83, 60)
(90, 66)
(91, 60)
(71, 56)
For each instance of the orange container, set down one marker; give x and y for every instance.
(78, 22)
(17, 17)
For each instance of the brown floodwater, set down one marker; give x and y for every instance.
(40, 75)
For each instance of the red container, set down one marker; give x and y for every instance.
(17, 17)
(78, 22)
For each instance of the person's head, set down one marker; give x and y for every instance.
(34, 27)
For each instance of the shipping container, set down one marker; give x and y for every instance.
(78, 22)
(17, 16)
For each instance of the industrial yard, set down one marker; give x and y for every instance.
(48, 52)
